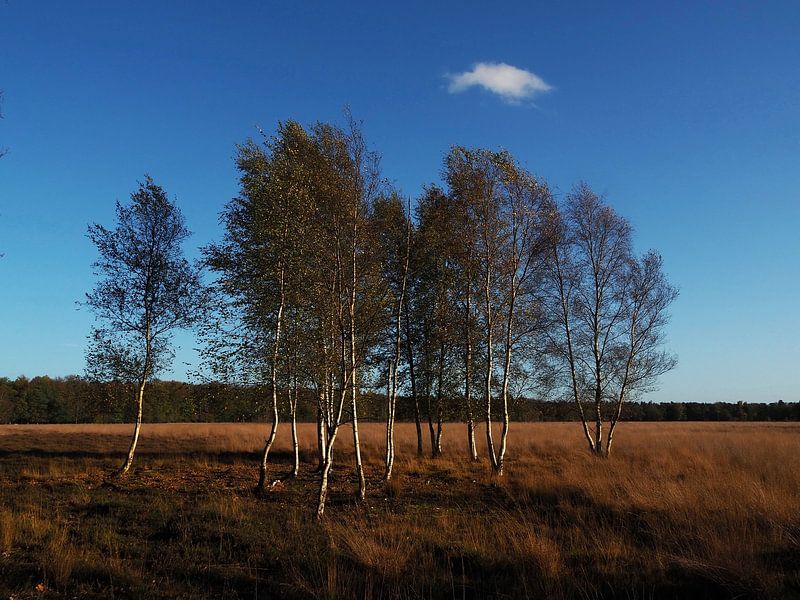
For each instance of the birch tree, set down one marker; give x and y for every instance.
(145, 291)
(352, 278)
(525, 206)
(465, 258)
(500, 236)
(410, 335)
(638, 356)
(475, 182)
(258, 262)
(609, 309)
(392, 227)
(434, 306)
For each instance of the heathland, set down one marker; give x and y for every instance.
(680, 510)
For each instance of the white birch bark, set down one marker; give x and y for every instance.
(471, 446)
(136, 429)
(362, 484)
(564, 301)
(489, 360)
(394, 364)
(413, 378)
(139, 400)
(295, 443)
(262, 472)
(389, 463)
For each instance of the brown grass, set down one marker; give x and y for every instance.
(680, 510)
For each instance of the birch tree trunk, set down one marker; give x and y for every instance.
(136, 429)
(332, 421)
(332, 429)
(262, 472)
(321, 445)
(598, 416)
(326, 469)
(437, 440)
(139, 400)
(611, 428)
(389, 425)
(517, 276)
(473, 450)
(295, 444)
(413, 378)
(439, 429)
(598, 371)
(471, 445)
(431, 429)
(489, 367)
(506, 373)
(394, 363)
(565, 297)
(362, 484)
(623, 386)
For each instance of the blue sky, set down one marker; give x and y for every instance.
(685, 115)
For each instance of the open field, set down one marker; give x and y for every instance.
(680, 510)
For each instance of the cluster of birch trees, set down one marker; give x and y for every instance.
(326, 279)
(482, 290)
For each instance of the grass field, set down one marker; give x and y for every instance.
(680, 510)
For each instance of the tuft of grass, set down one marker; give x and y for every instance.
(61, 556)
(393, 488)
(6, 532)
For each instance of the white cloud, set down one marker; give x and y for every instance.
(509, 82)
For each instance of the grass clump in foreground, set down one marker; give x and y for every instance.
(682, 510)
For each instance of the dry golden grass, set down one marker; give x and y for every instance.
(680, 510)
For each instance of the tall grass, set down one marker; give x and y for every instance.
(681, 510)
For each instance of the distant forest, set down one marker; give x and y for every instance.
(78, 400)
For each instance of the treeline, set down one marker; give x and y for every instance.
(79, 400)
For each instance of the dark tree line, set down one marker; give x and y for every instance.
(79, 400)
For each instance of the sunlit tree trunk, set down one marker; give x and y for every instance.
(426, 351)
(506, 374)
(413, 378)
(437, 440)
(390, 403)
(139, 403)
(431, 428)
(394, 363)
(333, 419)
(565, 297)
(295, 443)
(262, 473)
(518, 238)
(333, 430)
(598, 392)
(362, 484)
(489, 363)
(136, 429)
(473, 450)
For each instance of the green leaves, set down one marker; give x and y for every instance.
(146, 288)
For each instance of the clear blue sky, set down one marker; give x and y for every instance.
(686, 115)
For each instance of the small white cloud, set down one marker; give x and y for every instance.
(509, 82)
